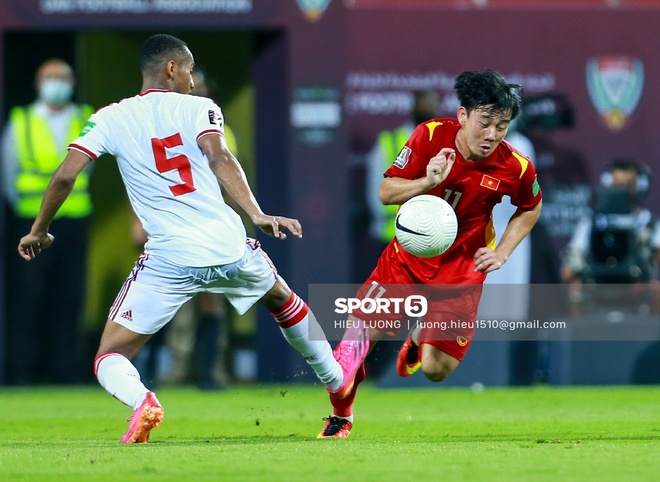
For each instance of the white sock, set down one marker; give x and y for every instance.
(296, 322)
(415, 334)
(349, 418)
(120, 379)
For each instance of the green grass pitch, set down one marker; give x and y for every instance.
(268, 433)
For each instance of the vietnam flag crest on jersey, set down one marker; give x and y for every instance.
(490, 182)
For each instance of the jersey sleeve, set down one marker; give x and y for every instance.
(209, 119)
(529, 192)
(93, 139)
(413, 157)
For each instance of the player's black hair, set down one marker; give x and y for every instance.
(160, 48)
(487, 89)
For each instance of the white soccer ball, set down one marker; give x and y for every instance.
(426, 226)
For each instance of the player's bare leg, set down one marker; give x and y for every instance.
(436, 364)
(121, 379)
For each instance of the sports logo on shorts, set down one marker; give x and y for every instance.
(127, 315)
(615, 85)
(403, 157)
(461, 340)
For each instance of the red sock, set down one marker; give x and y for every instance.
(291, 312)
(343, 407)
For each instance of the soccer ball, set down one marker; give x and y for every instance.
(426, 226)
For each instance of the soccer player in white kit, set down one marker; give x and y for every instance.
(172, 155)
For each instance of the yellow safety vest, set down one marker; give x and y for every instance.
(391, 143)
(39, 157)
(230, 137)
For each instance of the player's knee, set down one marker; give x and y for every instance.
(437, 365)
(277, 296)
(437, 372)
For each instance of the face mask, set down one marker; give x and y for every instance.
(56, 91)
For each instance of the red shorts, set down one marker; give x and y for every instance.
(449, 322)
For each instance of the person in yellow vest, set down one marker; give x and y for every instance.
(380, 157)
(211, 326)
(44, 301)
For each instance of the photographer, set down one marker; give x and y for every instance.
(620, 241)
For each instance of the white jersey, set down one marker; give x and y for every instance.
(168, 179)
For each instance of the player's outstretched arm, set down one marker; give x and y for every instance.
(59, 188)
(519, 226)
(232, 177)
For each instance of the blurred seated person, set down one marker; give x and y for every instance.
(619, 242)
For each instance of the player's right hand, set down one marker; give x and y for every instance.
(439, 166)
(31, 245)
(275, 225)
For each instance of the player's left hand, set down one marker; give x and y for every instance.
(487, 260)
(31, 245)
(275, 225)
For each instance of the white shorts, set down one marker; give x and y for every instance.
(157, 288)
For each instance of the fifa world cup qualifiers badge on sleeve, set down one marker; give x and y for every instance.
(426, 226)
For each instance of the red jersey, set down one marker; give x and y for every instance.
(472, 189)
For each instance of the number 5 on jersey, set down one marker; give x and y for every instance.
(179, 162)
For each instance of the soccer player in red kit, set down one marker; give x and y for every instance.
(466, 162)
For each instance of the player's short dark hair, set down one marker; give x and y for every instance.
(161, 48)
(488, 89)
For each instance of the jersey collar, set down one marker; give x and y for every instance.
(149, 91)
